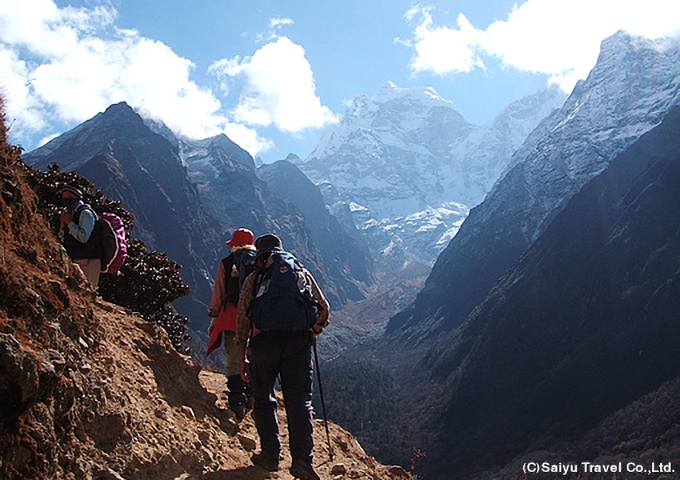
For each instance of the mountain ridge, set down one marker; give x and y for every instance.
(578, 332)
(408, 161)
(233, 192)
(458, 372)
(574, 332)
(290, 184)
(188, 196)
(599, 119)
(117, 152)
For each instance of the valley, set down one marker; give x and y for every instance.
(502, 295)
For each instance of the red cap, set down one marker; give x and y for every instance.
(241, 237)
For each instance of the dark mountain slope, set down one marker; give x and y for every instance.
(117, 152)
(634, 83)
(224, 175)
(644, 433)
(341, 254)
(189, 196)
(584, 324)
(232, 192)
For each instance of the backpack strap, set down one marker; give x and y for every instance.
(309, 299)
(80, 208)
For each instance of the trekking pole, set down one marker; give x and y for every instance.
(323, 402)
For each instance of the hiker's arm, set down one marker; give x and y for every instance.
(243, 326)
(82, 230)
(65, 219)
(318, 295)
(242, 318)
(219, 292)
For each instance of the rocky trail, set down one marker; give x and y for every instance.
(130, 407)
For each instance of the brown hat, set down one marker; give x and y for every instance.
(241, 238)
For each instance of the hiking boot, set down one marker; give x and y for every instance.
(237, 391)
(269, 463)
(303, 470)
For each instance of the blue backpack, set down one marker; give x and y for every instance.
(283, 298)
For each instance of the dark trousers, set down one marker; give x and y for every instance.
(288, 354)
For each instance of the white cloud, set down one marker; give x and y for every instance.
(248, 139)
(444, 50)
(276, 23)
(279, 88)
(560, 38)
(66, 65)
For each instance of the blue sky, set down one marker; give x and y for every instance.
(272, 75)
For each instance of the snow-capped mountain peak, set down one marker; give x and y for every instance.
(406, 153)
(633, 86)
(389, 92)
(391, 111)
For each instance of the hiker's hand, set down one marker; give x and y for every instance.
(211, 327)
(244, 368)
(66, 218)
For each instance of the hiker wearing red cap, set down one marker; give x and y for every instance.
(231, 273)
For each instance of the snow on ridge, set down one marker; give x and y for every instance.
(628, 92)
(426, 95)
(404, 109)
(406, 152)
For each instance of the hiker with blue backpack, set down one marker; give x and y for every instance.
(281, 309)
(231, 273)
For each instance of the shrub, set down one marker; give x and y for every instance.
(148, 282)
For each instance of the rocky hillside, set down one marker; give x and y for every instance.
(91, 391)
